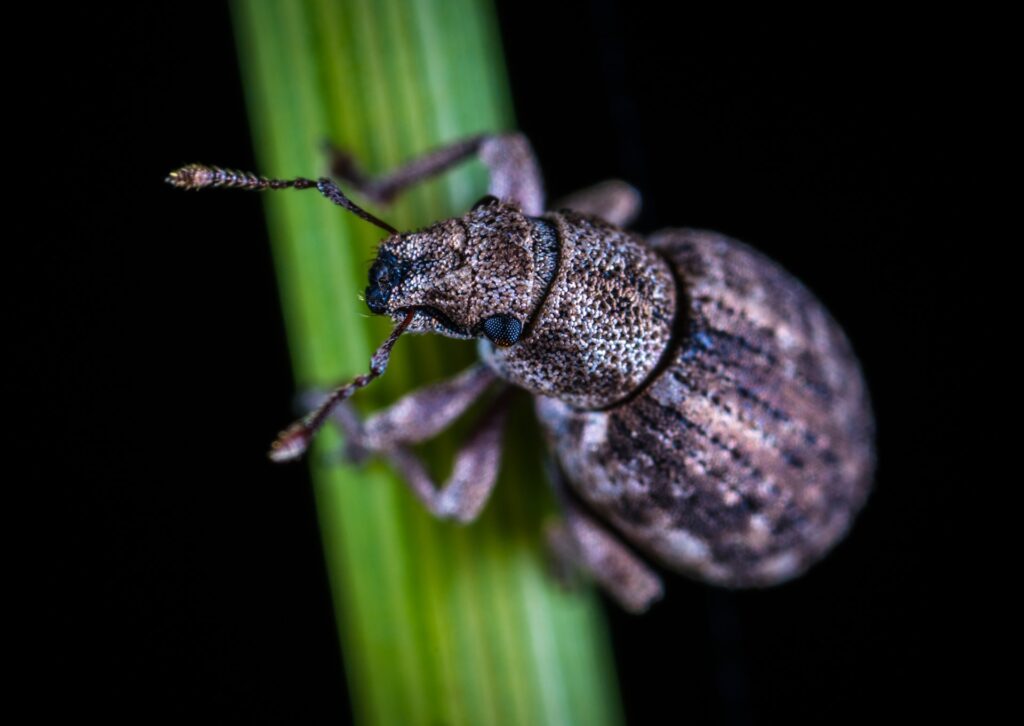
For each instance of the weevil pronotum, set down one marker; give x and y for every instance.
(699, 402)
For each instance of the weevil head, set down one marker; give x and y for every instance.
(466, 277)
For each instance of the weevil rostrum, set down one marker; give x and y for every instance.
(702, 406)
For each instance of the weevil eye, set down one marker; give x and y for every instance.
(502, 330)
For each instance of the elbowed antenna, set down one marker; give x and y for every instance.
(200, 176)
(293, 441)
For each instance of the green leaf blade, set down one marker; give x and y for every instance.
(438, 623)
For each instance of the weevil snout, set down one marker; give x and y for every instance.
(386, 274)
(463, 277)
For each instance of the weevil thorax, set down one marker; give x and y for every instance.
(459, 272)
(604, 323)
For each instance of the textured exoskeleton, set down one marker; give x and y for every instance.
(701, 404)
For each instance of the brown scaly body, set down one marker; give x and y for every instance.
(699, 400)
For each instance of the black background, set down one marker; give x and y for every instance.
(184, 573)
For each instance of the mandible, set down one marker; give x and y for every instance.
(702, 407)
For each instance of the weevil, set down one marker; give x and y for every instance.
(701, 405)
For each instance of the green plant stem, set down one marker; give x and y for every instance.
(439, 624)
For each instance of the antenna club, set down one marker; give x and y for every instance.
(201, 176)
(290, 444)
(192, 176)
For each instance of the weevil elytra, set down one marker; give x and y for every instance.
(701, 404)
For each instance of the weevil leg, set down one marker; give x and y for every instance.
(415, 417)
(614, 201)
(515, 174)
(463, 495)
(422, 415)
(580, 542)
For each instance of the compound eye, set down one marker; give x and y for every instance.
(502, 330)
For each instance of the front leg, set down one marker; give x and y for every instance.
(515, 174)
(415, 417)
(421, 415)
(463, 496)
